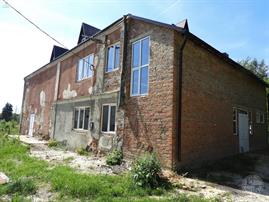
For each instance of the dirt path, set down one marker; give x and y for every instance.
(56, 156)
(203, 188)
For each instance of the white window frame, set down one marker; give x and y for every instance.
(79, 109)
(108, 119)
(84, 59)
(139, 68)
(236, 128)
(114, 55)
(250, 119)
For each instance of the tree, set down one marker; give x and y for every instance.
(257, 67)
(7, 112)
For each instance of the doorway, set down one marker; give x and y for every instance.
(31, 125)
(243, 132)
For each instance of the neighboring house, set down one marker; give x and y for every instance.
(141, 85)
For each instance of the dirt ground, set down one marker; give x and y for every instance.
(242, 178)
(57, 155)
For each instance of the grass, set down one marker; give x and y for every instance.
(23, 186)
(82, 151)
(68, 159)
(28, 174)
(52, 143)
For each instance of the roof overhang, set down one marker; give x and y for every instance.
(183, 30)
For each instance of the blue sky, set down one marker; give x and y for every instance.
(238, 27)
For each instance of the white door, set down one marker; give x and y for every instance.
(243, 132)
(31, 125)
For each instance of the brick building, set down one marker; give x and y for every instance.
(141, 85)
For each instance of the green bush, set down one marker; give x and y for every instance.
(9, 127)
(82, 151)
(145, 171)
(52, 143)
(114, 158)
(23, 186)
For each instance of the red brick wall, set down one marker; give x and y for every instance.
(112, 79)
(43, 81)
(148, 119)
(68, 74)
(211, 87)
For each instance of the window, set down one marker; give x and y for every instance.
(113, 58)
(234, 121)
(140, 63)
(260, 117)
(85, 68)
(81, 118)
(108, 118)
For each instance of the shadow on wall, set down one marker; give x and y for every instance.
(235, 171)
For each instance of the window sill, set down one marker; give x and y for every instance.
(80, 130)
(79, 81)
(114, 70)
(107, 133)
(139, 95)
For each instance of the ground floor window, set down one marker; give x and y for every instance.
(108, 118)
(81, 118)
(259, 117)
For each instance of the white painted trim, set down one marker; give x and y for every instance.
(83, 121)
(108, 121)
(139, 67)
(106, 62)
(85, 58)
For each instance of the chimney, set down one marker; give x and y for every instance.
(183, 24)
(225, 54)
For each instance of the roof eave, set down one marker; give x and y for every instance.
(228, 59)
(71, 50)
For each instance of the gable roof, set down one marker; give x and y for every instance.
(56, 52)
(86, 31)
(182, 27)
